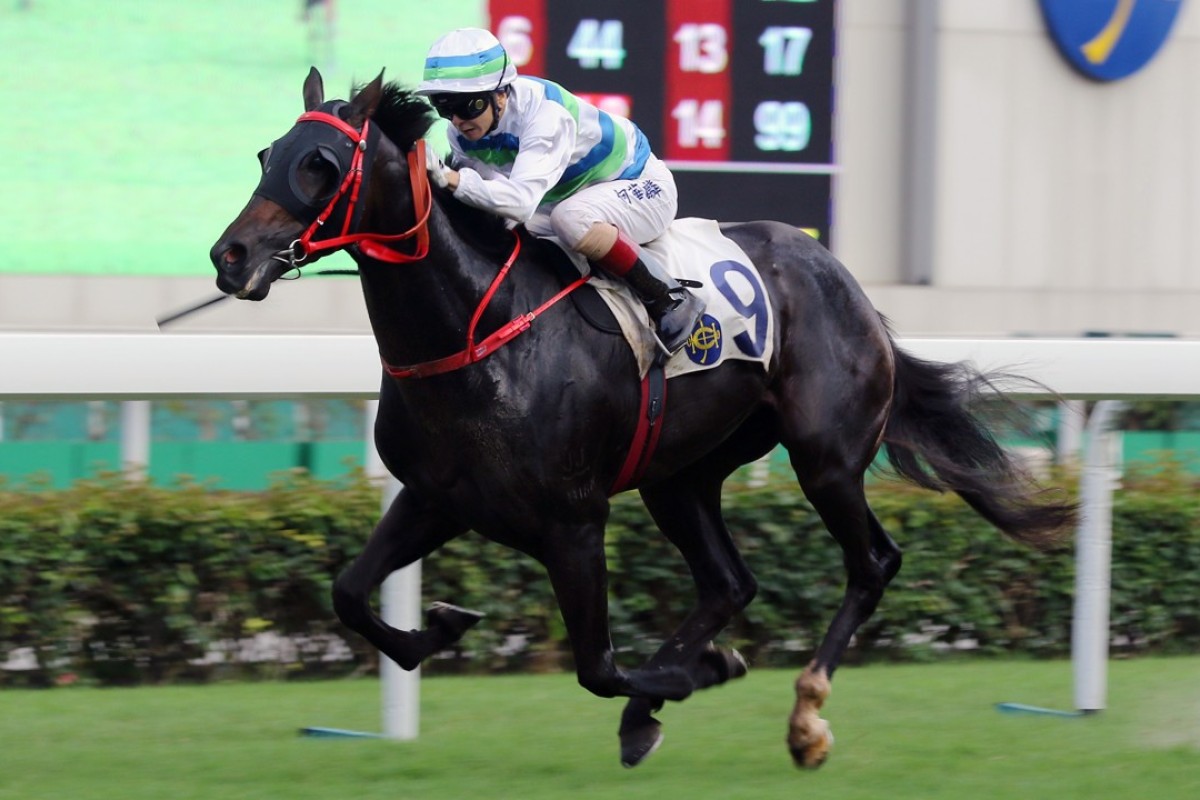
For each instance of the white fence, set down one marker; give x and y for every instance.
(159, 366)
(141, 367)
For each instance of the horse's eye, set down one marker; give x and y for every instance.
(317, 175)
(317, 162)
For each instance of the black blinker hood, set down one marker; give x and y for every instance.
(279, 182)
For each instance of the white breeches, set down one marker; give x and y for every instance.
(642, 208)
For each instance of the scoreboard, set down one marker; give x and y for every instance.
(736, 95)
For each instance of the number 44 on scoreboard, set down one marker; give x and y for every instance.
(598, 43)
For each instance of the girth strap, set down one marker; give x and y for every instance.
(645, 436)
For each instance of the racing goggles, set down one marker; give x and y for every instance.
(464, 106)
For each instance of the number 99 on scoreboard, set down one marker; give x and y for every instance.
(736, 95)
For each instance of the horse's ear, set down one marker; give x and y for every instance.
(363, 104)
(314, 90)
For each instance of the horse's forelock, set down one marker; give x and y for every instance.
(405, 117)
(402, 116)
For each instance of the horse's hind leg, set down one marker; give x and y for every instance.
(687, 509)
(833, 401)
(871, 559)
(575, 561)
(409, 531)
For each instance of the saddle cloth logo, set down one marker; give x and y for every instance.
(737, 323)
(703, 347)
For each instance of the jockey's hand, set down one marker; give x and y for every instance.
(439, 173)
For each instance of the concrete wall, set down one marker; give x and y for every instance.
(1057, 205)
(1061, 205)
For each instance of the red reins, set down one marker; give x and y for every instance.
(477, 352)
(373, 245)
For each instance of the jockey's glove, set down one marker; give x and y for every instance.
(438, 171)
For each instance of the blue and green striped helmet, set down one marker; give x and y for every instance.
(467, 60)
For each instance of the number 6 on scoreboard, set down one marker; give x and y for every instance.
(514, 33)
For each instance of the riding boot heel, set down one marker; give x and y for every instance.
(677, 321)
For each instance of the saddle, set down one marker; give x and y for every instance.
(586, 298)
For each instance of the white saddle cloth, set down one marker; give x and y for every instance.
(737, 321)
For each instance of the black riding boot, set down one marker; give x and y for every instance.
(673, 308)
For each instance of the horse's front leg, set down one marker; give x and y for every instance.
(409, 531)
(687, 509)
(574, 560)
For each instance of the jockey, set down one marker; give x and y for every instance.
(530, 151)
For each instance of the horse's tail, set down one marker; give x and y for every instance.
(934, 440)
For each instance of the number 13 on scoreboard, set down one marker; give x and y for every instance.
(697, 80)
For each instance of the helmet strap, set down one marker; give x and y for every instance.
(495, 110)
(492, 97)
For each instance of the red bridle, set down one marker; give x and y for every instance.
(373, 245)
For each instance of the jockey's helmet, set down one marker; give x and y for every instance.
(466, 60)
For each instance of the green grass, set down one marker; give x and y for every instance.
(131, 127)
(928, 731)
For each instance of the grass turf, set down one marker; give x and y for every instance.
(928, 731)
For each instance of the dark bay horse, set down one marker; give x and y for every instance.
(521, 437)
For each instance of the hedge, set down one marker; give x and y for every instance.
(118, 582)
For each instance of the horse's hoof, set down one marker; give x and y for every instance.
(812, 754)
(452, 621)
(728, 664)
(639, 743)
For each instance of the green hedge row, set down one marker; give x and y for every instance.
(116, 582)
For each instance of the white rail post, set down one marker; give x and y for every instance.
(400, 597)
(1071, 421)
(1093, 561)
(135, 438)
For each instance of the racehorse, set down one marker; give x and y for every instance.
(522, 435)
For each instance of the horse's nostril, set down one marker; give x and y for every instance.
(235, 254)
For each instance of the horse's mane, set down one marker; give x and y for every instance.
(402, 116)
(405, 117)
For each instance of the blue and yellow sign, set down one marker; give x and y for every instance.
(1109, 39)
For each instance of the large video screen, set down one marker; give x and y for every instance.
(131, 128)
